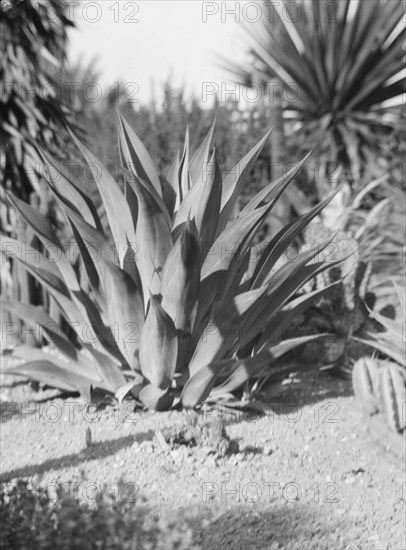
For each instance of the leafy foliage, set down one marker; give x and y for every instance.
(170, 308)
(391, 342)
(378, 225)
(32, 40)
(41, 518)
(381, 384)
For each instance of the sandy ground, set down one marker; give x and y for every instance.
(308, 474)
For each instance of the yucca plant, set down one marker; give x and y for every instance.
(171, 315)
(381, 384)
(339, 63)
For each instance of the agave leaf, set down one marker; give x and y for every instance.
(54, 376)
(169, 197)
(273, 190)
(124, 390)
(282, 240)
(81, 373)
(201, 157)
(279, 294)
(66, 188)
(181, 280)
(158, 346)
(199, 386)
(235, 181)
(289, 268)
(291, 312)
(15, 248)
(38, 315)
(93, 247)
(222, 329)
(155, 399)
(45, 232)
(118, 212)
(227, 251)
(184, 181)
(108, 368)
(227, 243)
(134, 155)
(173, 180)
(125, 310)
(244, 369)
(74, 311)
(153, 237)
(208, 206)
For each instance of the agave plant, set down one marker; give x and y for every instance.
(381, 384)
(171, 314)
(339, 62)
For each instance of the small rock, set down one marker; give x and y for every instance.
(267, 450)
(89, 440)
(161, 441)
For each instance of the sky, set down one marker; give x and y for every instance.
(143, 42)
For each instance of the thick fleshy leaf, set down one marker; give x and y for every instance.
(273, 190)
(277, 246)
(156, 399)
(286, 317)
(153, 237)
(201, 157)
(73, 310)
(228, 242)
(232, 243)
(158, 346)
(181, 280)
(280, 293)
(208, 204)
(134, 155)
(14, 248)
(198, 387)
(244, 369)
(64, 186)
(45, 232)
(49, 327)
(223, 329)
(185, 182)
(124, 390)
(118, 212)
(108, 368)
(235, 181)
(125, 310)
(54, 376)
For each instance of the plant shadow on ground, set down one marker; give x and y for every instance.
(312, 388)
(296, 525)
(98, 451)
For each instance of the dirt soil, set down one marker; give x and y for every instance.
(307, 475)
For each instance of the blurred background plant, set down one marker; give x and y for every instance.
(339, 68)
(380, 382)
(59, 517)
(33, 39)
